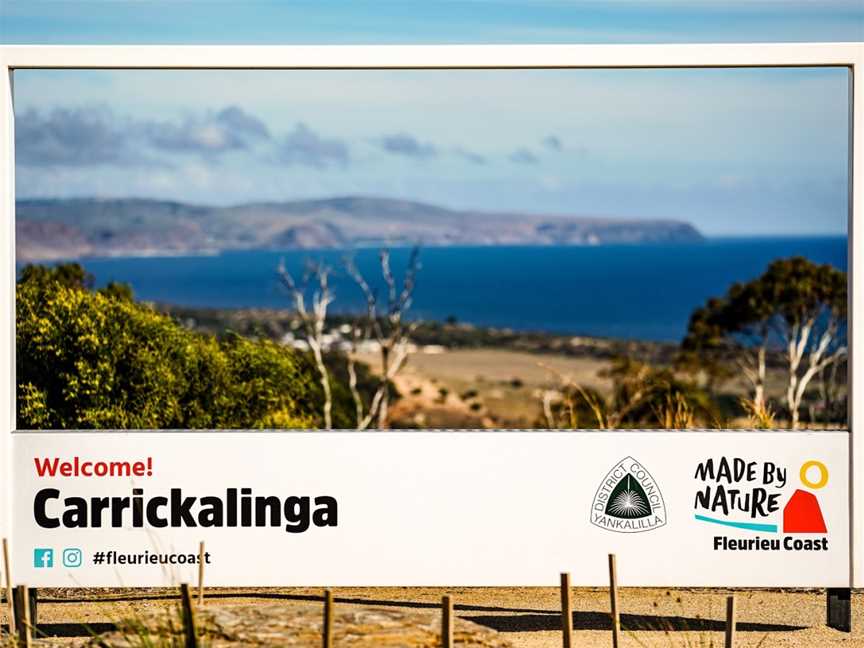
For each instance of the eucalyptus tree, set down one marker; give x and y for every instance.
(732, 329)
(810, 316)
(796, 309)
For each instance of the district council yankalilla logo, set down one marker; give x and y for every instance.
(628, 500)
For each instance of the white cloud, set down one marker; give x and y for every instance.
(666, 137)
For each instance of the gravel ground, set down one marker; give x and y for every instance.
(299, 625)
(524, 617)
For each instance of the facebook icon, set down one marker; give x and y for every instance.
(43, 558)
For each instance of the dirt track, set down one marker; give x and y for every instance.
(526, 617)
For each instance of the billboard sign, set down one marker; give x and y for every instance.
(424, 507)
(432, 508)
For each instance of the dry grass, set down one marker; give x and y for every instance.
(761, 415)
(675, 413)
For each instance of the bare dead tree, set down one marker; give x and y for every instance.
(360, 331)
(313, 319)
(386, 324)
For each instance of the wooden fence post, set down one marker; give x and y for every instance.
(201, 573)
(190, 627)
(566, 611)
(730, 622)
(10, 603)
(327, 631)
(446, 622)
(613, 599)
(25, 634)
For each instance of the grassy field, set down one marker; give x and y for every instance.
(483, 388)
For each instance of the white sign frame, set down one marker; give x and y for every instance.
(847, 55)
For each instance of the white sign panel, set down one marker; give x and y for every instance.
(432, 508)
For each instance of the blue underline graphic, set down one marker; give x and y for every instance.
(769, 528)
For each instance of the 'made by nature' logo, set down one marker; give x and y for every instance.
(752, 498)
(628, 500)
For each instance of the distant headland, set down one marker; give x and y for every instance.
(73, 228)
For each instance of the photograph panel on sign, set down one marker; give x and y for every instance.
(459, 249)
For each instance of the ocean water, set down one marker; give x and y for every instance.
(634, 291)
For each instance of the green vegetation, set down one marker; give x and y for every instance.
(274, 323)
(794, 317)
(768, 353)
(98, 360)
(790, 320)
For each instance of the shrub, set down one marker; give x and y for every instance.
(642, 397)
(98, 360)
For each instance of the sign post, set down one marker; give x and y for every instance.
(839, 611)
(7, 290)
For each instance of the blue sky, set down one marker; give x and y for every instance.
(428, 21)
(735, 152)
